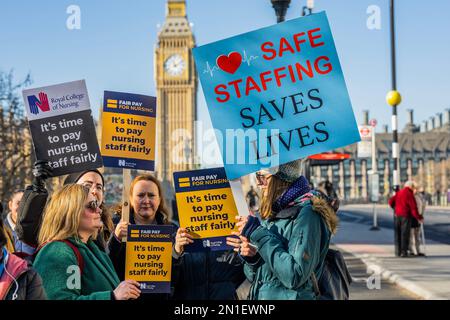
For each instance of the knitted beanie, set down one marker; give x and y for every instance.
(290, 171)
(74, 177)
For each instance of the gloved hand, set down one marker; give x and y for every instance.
(41, 171)
(251, 225)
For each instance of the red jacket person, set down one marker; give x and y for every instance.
(405, 209)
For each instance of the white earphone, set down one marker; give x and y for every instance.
(14, 296)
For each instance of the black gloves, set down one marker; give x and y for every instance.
(41, 171)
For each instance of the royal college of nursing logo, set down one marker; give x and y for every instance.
(36, 104)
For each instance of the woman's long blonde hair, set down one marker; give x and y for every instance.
(275, 189)
(62, 215)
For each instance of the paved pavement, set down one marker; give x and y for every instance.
(437, 219)
(366, 286)
(428, 278)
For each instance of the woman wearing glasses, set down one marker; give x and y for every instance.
(71, 265)
(95, 182)
(288, 244)
(35, 197)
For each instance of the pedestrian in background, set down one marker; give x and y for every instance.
(416, 224)
(252, 198)
(405, 210)
(326, 187)
(10, 223)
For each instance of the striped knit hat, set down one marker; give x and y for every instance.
(288, 172)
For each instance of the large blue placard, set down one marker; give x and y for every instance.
(276, 94)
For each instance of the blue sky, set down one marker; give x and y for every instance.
(114, 48)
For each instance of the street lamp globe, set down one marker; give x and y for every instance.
(393, 98)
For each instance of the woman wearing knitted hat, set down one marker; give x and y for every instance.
(289, 244)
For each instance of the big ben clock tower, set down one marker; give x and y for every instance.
(176, 84)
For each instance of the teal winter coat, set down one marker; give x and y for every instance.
(291, 246)
(55, 264)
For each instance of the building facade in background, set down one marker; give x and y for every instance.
(424, 158)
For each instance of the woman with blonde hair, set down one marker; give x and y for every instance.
(71, 265)
(35, 197)
(285, 250)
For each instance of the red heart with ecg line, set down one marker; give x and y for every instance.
(229, 63)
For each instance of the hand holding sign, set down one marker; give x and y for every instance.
(121, 230)
(182, 238)
(242, 221)
(128, 289)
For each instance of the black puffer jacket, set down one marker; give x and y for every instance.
(209, 275)
(117, 253)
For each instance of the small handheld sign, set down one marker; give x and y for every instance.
(128, 136)
(128, 131)
(149, 257)
(62, 127)
(206, 207)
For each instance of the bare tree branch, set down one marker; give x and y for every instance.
(15, 142)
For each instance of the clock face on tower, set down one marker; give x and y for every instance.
(174, 65)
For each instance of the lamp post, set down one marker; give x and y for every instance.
(307, 10)
(394, 98)
(280, 7)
